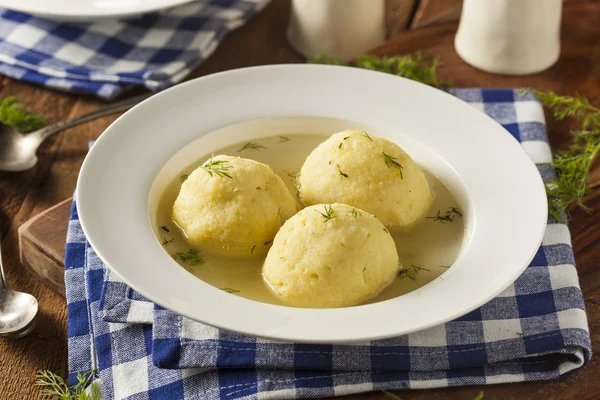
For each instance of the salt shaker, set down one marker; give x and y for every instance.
(340, 28)
(514, 37)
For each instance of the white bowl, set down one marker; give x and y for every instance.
(495, 182)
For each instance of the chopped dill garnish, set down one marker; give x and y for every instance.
(329, 162)
(347, 137)
(184, 177)
(12, 114)
(229, 290)
(283, 139)
(166, 242)
(53, 385)
(414, 67)
(410, 272)
(392, 395)
(355, 213)
(391, 162)
(218, 167)
(444, 266)
(253, 146)
(340, 171)
(164, 228)
(291, 174)
(190, 257)
(340, 145)
(385, 230)
(329, 213)
(448, 216)
(252, 249)
(268, 242)
(365, 134)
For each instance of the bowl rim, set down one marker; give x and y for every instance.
(112, 182)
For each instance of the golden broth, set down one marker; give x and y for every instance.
(432, 245)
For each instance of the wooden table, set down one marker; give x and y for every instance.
(262, 41)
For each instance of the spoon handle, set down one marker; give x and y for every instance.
(122, 105)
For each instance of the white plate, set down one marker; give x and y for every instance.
(87, 10)
(495, 182)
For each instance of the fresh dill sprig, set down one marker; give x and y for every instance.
(355, 213)
(340, 171)
(392, 395)
(229, 290)
(577, 107)
(572, 165)
(340, 145)
(329, 213)
(451, 212)
(190, 257)
(183, 177)
(291, 174)
(410, 272)
(218, 167)
(365, 134)
(54, 385)
(253, 248)
(166, 242)
(283, 139)
(414, 67)
(12, 114)
(268, 242)
(253, 146)
(391, 162)
(164, 228)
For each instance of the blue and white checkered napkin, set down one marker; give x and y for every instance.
(536, 329)
(104, 58)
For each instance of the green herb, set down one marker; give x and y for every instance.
(164, 228)
(365, 134)
(444, 266)
(329, 213)
(385, 230)
(253, 146)
(190, 257)
(355, 213)
(230, 290)
(572, 165)
(414, 67)
(391, 162)
(392, 395)
(479, 396)
(166, 242)
(218, 167)
(448, 216)
(252, 249)
(12, 114)
(346, 137)
(184, 177)
(283, 139)
(291, 174)
(54, 385)
(340, 145)
(340, 171)
(268, 242)
(410, 272)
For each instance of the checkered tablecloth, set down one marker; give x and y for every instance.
(106, 57)
(535, 330)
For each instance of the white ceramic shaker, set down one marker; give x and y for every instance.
(513, 37)
(340, 28)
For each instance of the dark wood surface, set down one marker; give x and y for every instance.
(262, 41)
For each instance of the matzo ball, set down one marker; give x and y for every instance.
(367, 172)
(232, 206)
(330, 256)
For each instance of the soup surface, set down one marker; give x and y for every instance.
(425, 252)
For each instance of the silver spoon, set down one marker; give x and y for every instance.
(17, 310)
(17, 150)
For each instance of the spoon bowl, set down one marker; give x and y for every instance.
(17, 313)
